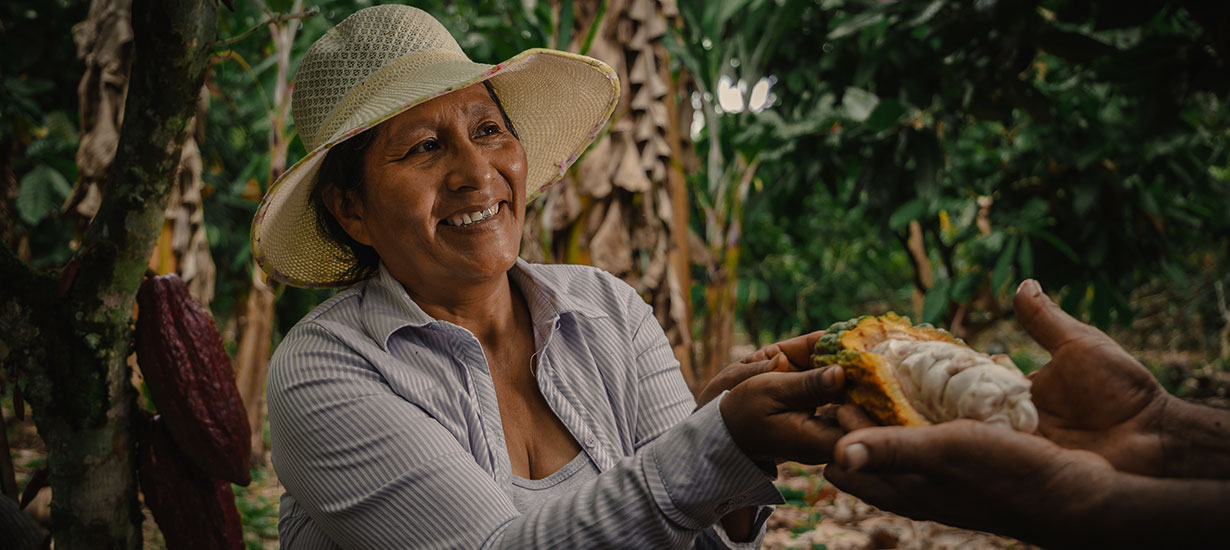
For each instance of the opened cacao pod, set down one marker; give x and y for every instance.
(909, 375)
(190, 379)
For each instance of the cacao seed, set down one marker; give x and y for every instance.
(190, 379)
(194, 511)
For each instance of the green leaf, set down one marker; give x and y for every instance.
(928, 161)
(593, 28)
(927, 14)
(1099, 307)
(1025, 260)
(1072, 296)
(856, 24)
(906, 213)
(565, 25)
(1003, 265)
(1084, 197)
(859, 103)
(963, 290)
(41, 192)
(885, 115)
(935, 303)
(1176, 275)
(1058, 244)
(793, 497)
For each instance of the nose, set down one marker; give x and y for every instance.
(471, 168)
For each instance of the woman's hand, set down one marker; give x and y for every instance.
(791, 355)
(1093, 395)
(973, 475)
(772, 416)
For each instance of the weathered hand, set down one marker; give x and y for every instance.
(971, 474)
(791, 355)
(1092, 395)
(772, 416)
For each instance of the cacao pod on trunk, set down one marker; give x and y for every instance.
(190, 379)
(194, 511)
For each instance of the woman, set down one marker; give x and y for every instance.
(454, 396)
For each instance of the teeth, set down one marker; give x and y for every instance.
(472, 218)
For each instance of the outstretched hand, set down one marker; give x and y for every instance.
(970, 474)
(772, 416)
(1092, 395)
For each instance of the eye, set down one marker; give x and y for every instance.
(425, 146)
(488, 129)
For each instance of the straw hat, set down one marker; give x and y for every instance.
(384, 60)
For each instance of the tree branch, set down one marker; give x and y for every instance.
(273, 19)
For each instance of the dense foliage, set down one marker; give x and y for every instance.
(1094, 136)
(1081, 143)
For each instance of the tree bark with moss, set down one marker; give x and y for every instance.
(66, 335)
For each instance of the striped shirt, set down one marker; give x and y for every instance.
(386, 432)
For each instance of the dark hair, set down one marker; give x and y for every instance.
(342, 169)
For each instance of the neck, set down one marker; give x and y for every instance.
(488, 309)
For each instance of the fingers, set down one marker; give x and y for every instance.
(961, 448)
(852, 417)
(808, 389)
(735, 373)
(814, 441)
(929, 450)
(798, 351)
(746, 369)
(1044, 320)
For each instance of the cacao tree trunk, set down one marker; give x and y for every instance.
(69, 335)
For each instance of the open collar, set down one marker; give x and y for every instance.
(388, 308)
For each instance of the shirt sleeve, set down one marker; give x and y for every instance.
(373, 470)
(664, 400)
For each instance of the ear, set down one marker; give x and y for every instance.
(347, 209)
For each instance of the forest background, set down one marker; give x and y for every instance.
(773, 166)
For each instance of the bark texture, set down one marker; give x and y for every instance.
(68, 335)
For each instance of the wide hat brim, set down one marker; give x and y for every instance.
(557, 101)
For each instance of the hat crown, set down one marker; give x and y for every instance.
(353, 50)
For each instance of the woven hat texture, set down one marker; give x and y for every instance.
(383, 60)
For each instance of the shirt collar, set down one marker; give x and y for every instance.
(387, 307)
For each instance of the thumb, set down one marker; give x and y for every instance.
(893, 449)
(1044, 320)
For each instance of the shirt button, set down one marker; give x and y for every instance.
(590, 440)
(725, 506)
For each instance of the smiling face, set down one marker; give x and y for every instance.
(444, 193)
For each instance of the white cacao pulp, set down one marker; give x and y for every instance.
(946, 381)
